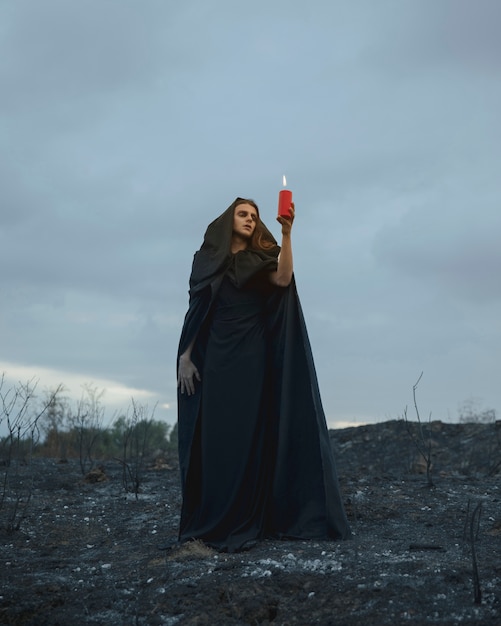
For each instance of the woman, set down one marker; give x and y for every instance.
(254, 448)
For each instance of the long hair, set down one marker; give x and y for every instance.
(258, 241)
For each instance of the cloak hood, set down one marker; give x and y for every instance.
(215, 257)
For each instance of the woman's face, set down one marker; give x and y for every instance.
(244, 220)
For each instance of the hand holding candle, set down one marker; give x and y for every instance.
(286, 211)
(284, 201)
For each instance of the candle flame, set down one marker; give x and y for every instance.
(284, 181)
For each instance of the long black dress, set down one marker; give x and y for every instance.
(254, 449)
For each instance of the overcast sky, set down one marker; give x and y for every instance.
(127, 126)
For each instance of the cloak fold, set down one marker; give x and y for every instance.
(289, 486)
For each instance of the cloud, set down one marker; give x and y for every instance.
(447, 242)
(127, 128)
(116, 399)
(65, 52)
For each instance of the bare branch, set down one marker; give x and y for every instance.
(422, 443)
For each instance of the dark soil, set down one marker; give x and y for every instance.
(90, 553)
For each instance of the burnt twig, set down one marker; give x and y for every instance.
(422, 444)
(477, 593)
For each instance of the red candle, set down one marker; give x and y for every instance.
(284, 201)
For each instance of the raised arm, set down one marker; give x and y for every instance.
(283, 274)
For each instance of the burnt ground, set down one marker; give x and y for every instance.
(89, 553)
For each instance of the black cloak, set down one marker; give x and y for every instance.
(260, 419)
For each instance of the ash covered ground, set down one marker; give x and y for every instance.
(90, 553)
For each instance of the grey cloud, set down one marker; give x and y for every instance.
(450, 245)
(128, 127)
(68, 50)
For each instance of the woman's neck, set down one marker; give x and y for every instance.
(238, 244)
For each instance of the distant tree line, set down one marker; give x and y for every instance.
(472, 412)
(57, 428)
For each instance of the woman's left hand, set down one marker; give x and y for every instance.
(286, 222)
